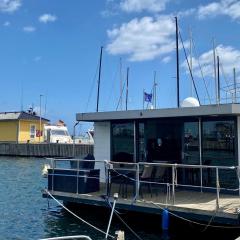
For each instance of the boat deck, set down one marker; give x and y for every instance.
(198, 206)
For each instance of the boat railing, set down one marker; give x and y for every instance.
(83, 237)
(143, 177)
(77, 171)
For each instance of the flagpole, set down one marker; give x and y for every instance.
(143, 98)
(155, 91)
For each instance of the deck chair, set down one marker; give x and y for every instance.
(159, 176)
(122, 178)
(146, 176)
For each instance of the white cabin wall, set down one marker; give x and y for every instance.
(102, 144)
(238, 138)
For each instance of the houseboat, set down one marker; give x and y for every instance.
(184, 159)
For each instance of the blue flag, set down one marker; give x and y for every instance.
(147, 97)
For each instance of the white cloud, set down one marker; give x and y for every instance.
(6, 24)
(29, 29)
(10, 5)
(112, 9)
(37, 58)
(141, 5)
(166, 59)
(45, 18)
(143, 39)
(229, 58)
(186, 13)
(229, 8)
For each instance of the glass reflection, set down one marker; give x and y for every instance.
(122, 142)
(191, 152)
(218, 143)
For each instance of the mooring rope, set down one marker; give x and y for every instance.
(84, 221)
(193, 222)
(119, 217)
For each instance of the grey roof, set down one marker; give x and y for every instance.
(205, 110)
(19, 116)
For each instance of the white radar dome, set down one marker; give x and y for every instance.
(190, 102)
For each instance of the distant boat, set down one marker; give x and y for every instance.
(57, 134)
(86, 138)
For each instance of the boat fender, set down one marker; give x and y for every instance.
(165, 219)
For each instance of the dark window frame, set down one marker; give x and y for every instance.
(111, 134)
(223, 118)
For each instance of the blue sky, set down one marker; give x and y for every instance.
(52, 48)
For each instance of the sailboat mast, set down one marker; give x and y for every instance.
(121, 83)
(218, 81)
(177, 59)
(99, 76)
(127, 89)
(215, 70)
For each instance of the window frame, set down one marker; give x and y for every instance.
(32, 136)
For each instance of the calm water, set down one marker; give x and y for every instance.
(24, 214)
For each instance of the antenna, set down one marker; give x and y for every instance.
(121, 84)
(99, 77)
(45, 106)
(127, 89)
(235, 85)
(40, 118)
(177, 57)
(21, 96)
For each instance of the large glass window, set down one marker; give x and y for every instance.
(218, 142)
(163, 140)
(123, 142)
(191, 143)
(219, 149)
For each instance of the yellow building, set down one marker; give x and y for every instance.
(21, 127)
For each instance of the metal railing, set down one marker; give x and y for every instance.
(110, 171)
(75, 165)
(68, 237)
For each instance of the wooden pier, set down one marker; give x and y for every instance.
(192, 205)
(44, 149)
(79, 182)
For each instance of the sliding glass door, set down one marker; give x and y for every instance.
(191, 153)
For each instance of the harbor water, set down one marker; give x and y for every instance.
(24, 214)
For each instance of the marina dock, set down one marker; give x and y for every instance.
(45, 149)
(70, 181)
(193, 206)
